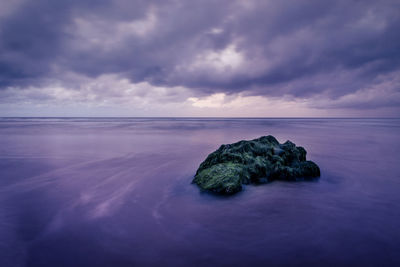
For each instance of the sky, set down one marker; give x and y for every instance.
(243, 58)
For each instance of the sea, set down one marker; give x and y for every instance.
(118, 192)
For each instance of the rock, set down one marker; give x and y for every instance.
(257, 161)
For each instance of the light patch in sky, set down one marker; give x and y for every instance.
(138, 27)
(212, 101)
(224, 60)
(239, 105)
(216, 31)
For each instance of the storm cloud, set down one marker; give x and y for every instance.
(331, 54)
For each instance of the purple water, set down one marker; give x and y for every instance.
(117, 192)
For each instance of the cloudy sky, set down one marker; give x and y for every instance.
(200, 58)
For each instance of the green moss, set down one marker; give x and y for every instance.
(224, 178)
(256, 161)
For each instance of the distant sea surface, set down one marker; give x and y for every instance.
(118, 192)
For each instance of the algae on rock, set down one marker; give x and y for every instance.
(257, 161)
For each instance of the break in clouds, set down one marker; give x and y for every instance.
(322, 55)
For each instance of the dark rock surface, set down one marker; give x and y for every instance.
(257, 161)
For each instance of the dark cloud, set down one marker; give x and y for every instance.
(297, 48)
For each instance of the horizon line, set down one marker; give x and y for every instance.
(182, 117)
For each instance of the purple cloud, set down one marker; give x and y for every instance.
(301, 49)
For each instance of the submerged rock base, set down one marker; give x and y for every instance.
(257, 161)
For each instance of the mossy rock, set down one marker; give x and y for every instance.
(256, 161)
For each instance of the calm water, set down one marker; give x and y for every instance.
(117, 192)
